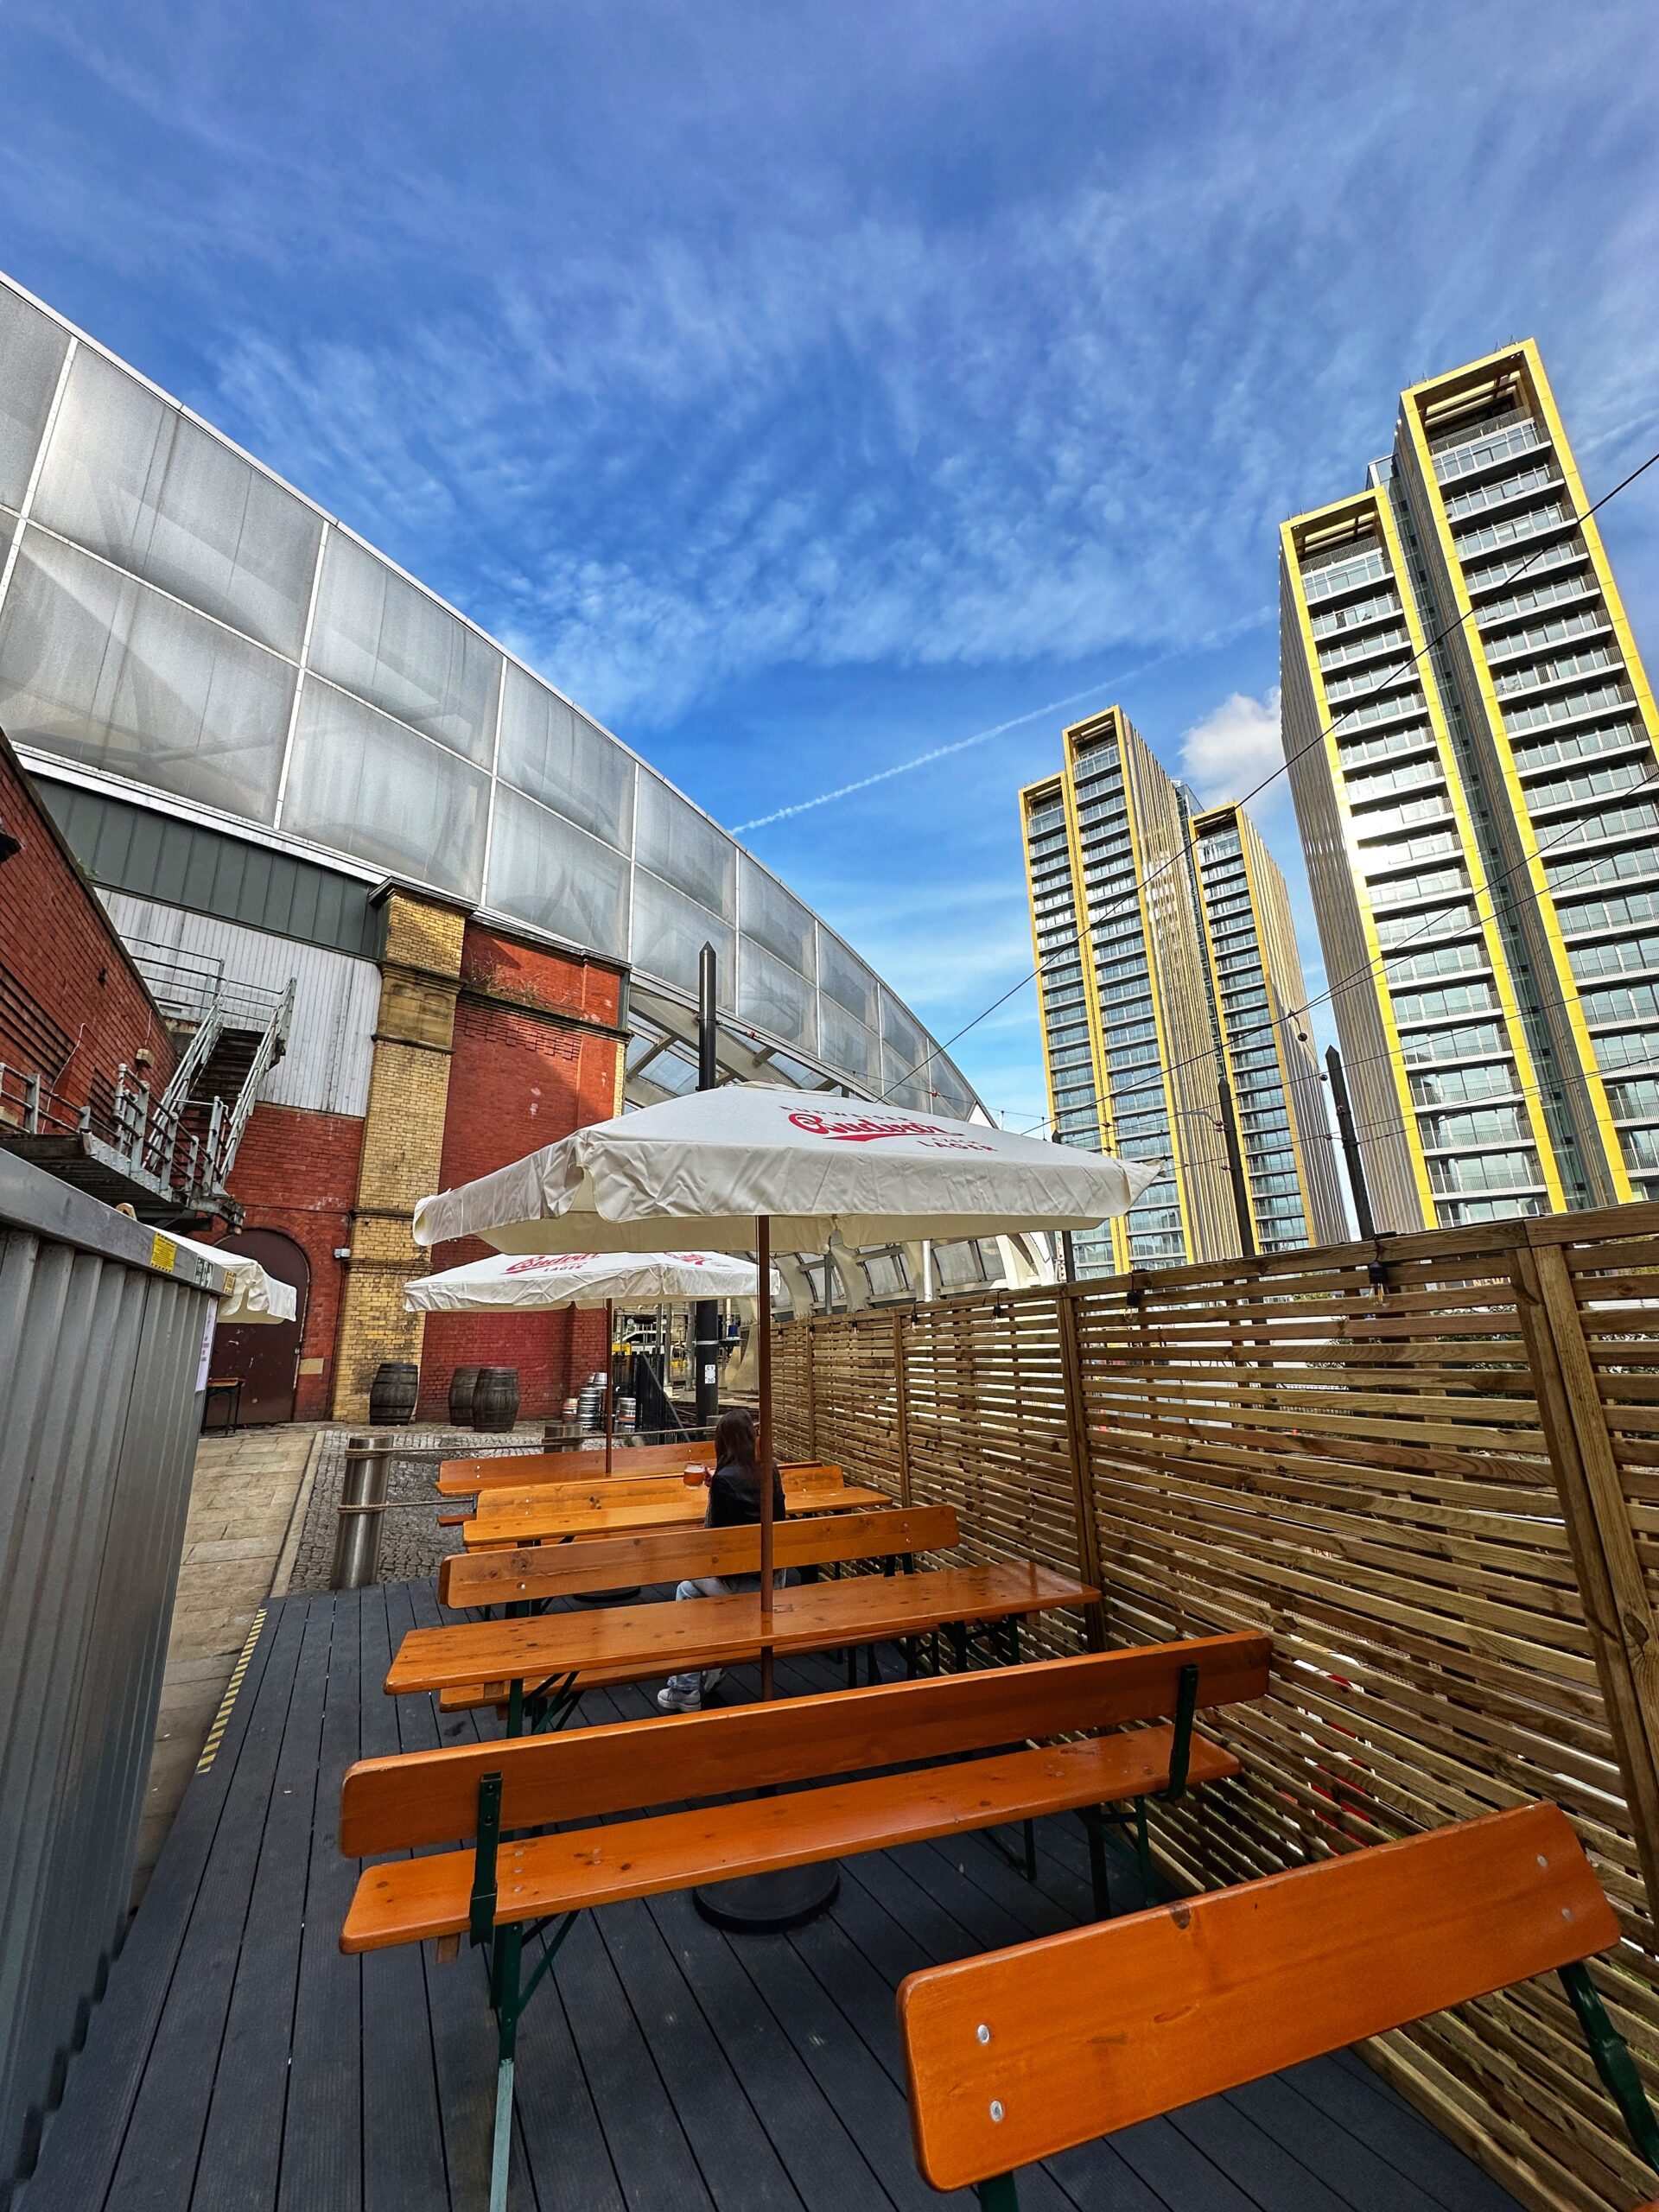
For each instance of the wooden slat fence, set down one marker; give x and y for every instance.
(1429, 1466)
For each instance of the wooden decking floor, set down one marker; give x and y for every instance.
(239, 2063)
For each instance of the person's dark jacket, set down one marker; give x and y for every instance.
(734, 1496)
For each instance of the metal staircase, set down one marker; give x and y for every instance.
(168, 1155)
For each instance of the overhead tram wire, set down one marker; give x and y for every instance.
(1384, 677)
(1393, 1126)
(1374, 967)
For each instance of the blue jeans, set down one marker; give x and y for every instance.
(715, 1586)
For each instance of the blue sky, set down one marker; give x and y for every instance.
(807, 389)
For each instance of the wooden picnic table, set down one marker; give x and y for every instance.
(553, 1515)
(627, 1642)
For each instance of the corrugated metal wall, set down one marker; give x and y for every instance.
(99, 1353)
(125, 847)
(326, 1067)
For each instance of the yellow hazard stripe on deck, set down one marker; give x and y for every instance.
(227, 1703)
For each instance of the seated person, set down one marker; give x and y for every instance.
(733, 1502)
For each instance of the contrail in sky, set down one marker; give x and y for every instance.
(918, 760)
(981, 736)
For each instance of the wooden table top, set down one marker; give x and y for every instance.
(519, 1471)
(460, 1478)
(545, 1516)
(667, 1637)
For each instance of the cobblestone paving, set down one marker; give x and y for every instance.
(411, 1542)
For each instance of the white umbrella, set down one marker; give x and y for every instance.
(749, 1167)
(540, 1281)
(817, 1166)
(251, 1293)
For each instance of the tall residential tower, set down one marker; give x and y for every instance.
(1471, 748)
(1258, 994)
(1166, 959)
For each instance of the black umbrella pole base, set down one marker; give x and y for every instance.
(608, 1597)
(765, 1905)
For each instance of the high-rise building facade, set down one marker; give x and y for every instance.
(1471, 747)
(1151, 969)
(1259, 996)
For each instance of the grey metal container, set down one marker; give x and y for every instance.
(103, 1333)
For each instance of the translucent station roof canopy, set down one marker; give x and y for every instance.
(177, 617)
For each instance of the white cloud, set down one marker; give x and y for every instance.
(1235, 748)
(832, 428)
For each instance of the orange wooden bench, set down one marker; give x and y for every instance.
(542, 1571)
(1021, 2054)
(524, 1579)
(500, 1889)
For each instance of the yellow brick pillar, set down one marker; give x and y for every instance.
(402, 1140)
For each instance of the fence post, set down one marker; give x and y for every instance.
(1083, 1489)
(901, 1403)
(362, 1510)
(811, 1385)
(1616, 1610)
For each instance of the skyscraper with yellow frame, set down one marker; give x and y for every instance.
(1133, 1028)
(1471, 739)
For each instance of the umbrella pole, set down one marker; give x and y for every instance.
(789, 1895)
(763, 1353)
(631, 1589)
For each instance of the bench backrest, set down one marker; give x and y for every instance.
(393, 1804)
(1021, 2054)
(607, 1562)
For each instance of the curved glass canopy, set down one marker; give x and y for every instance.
(174, 616)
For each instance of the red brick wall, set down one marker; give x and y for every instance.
(519, 1080)
(563, 982)
(72, 1006)
(296, 1172)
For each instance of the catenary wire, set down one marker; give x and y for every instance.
(1384, 960)
(1385, 677)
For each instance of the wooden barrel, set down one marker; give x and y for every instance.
(462, 1383)
(495, 1398)
(392, 1394)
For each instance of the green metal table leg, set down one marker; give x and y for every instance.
(504, 1996)
(998, 2196)
(501, 2151)
(1613, 2062)
(516, 1708)
(1098, 1863)
(1143, 1855)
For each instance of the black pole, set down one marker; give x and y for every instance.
(705, 1318)
(1236, 1169)
(1068, 1251)
(1363, 1214)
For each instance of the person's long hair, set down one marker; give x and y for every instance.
(735, 1439)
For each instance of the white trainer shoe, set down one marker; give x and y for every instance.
(673, 1701)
